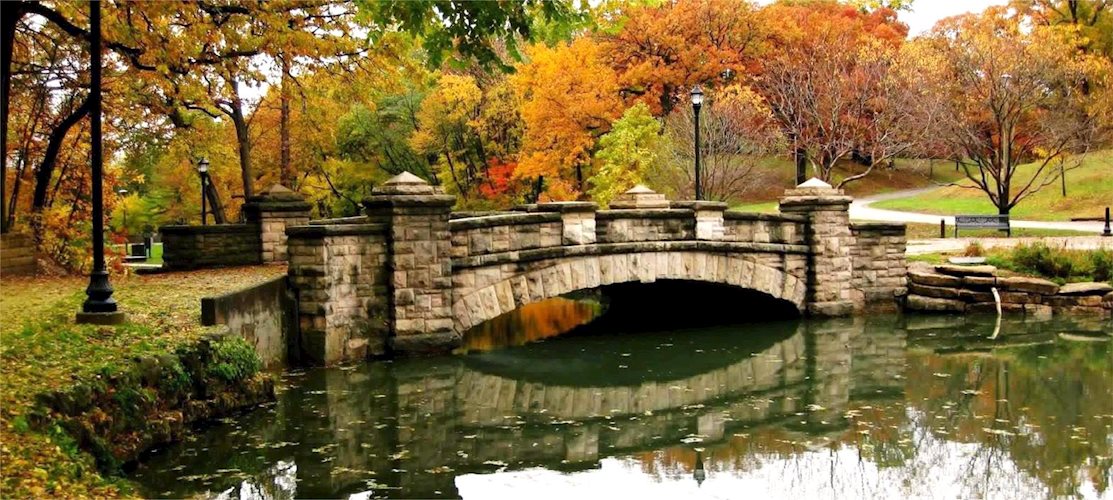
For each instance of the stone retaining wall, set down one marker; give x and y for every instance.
(961, 289)
(17, 255)
(262, 315)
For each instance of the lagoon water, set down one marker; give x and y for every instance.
(876, 407)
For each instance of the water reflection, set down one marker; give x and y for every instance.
(851, 408)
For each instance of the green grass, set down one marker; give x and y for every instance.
(1089, 191)
(927, 231)
(42, 349)
(773, 175)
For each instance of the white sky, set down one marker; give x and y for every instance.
(925, 13)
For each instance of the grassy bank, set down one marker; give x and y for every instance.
(42, 350)
(1040, 260)
(1089, 191)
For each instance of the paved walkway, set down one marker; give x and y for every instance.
(860, 209)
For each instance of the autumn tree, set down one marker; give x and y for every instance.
(1013, 94)
(660, 51)
(569, 98)
(626, 153)
(826, 80)
(737, 130)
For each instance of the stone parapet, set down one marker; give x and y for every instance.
(198, 247)
(709, 218)
(577, 220)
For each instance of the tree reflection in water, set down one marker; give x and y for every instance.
(883, 407)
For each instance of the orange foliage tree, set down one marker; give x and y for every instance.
(661, 51)
(569, 98)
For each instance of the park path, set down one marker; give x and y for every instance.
(860, 209)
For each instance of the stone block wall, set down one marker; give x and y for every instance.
(339, 276)
(261, 314)
(661, 224)
(196, 247)
(879, 279)
(17, 255)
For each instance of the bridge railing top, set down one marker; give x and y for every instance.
(357, 219)
(644, 213)
(756, 216)
(502, 219)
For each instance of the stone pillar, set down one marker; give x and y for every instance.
(639, 197)
(827, 232)
(419, 263)
(709, 218)
(273, 211)
(578, 219)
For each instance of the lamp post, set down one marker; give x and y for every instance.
(123, 193)
(99, 306)
(203, 170)
(697, 103)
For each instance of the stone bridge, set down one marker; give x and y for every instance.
(411, 276)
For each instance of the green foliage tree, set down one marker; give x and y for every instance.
(626, 153)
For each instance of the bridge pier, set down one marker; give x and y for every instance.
(419, 263)
(827, 232)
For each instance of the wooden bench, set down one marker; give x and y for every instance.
(999, 222)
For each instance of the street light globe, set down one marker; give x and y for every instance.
(697, 96)
(203, 165)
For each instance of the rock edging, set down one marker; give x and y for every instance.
(960, 289)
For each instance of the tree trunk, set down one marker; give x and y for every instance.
(12, 12)
(50, 156)
(243, 140)
(801, 166)
(285, 172)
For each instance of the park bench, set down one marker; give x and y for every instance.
(999, 222)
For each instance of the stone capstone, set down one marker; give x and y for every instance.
(1092, 288)
(1026, 284)
(933, 279)
(956, 270)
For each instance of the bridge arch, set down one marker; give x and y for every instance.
(504, 288)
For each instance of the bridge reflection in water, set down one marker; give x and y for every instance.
(727, 399)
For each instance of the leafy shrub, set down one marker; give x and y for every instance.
(1102, 262)
(234, 360)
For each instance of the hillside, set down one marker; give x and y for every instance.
(1089, 191)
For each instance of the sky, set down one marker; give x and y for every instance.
(925, 13)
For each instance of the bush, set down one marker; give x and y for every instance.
(234, 360)
(1102, 262)
(974, 249)
(1058, 264)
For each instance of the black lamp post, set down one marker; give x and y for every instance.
(203, 170)
(123, 193)
(99, 306)
(697, 102)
